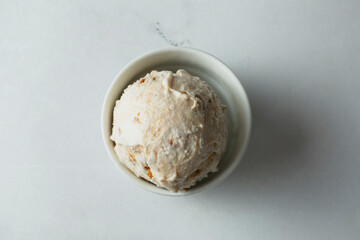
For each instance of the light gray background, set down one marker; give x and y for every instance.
(298, 60)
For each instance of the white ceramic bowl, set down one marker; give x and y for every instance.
(218, 76)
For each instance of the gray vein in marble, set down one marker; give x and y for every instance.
(158, 31)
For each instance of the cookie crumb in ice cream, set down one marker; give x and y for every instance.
(149, 174)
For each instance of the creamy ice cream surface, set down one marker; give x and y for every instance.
(170, 129)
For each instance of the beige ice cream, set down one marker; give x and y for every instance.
(170, 129)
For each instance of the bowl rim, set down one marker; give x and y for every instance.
(239, 153)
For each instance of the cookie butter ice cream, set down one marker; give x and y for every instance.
(170, 129)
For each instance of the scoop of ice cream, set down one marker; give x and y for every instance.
(170, 129)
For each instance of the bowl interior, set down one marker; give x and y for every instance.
(218, 76)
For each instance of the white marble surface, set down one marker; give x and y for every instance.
(298, 60)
